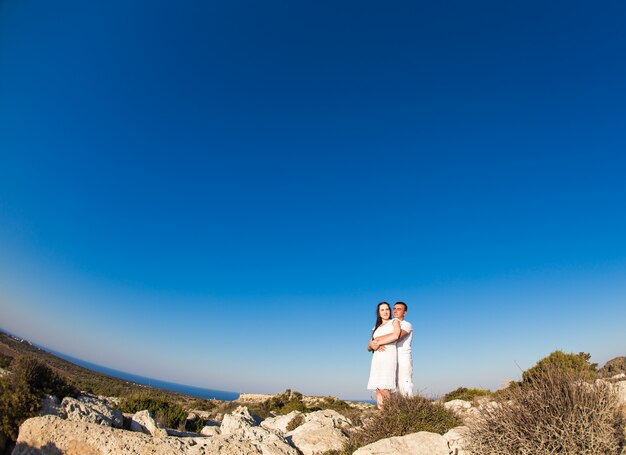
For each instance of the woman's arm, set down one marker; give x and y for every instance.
(387, 339)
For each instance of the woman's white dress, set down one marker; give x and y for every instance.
(384, 363)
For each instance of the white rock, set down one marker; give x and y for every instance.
(329, 417)
(620, 389)
(50, 405)
(91, 439)
(321, 432)
(281, 422)
(457, 405)
(241, 427)
(210, 430)
(456, 438)
(91, 410)
(239, 420)
(422, 443)
(144, 422)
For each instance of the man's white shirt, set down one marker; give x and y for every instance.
(404, 345)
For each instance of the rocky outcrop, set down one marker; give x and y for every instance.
(465, 410)
(82, 438)
(322, 431)
(51, 405)
(91, 410)
(144, 422)
(210, 430)
(620, 390)
(456, 439)
(241, 428)
(422, 443)
(282, 422)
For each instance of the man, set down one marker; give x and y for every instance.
(403, 345)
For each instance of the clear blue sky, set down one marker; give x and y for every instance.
(219, 193)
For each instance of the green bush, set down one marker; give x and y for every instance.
(576, 363)
(195, 425)
(202, 404)
(285, 403)
(556, 412)
(402, 415)
(5, 360)
(21, 392)
(166, 413)
(463, 393)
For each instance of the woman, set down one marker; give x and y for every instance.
(384, 363)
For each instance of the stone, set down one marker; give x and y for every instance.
(210, 430)
(620, 390)
(50, 405)
(92, 410)
(456, 438)
(465, 410)
(321, 432)
(458, 406)
(329, 417)
(242, 427)
(55, 435)
(281, 422)
(422, 443)
(144, 422)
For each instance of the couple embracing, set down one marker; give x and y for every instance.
(392, 366)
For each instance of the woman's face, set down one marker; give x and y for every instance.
(384, 311)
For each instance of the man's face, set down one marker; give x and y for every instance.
(399, 311)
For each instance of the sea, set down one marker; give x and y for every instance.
(193, 391)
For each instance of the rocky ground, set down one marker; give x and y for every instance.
(90, 425)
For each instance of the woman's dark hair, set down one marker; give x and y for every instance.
(379, 320)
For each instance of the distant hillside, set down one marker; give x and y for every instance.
(83, 378)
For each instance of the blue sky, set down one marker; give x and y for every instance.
(219, 194)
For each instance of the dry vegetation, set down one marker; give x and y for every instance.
(556, 411)
(400, 416)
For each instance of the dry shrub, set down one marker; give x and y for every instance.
(295, 422)
(558, 412)
(403, 415)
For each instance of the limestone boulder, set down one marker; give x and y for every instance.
(143, 422)
(282, 422)
(240, 419)
(464, 410)
(91, 410)
(456, 439)
(620, 390)
(321, 432)
(422, 443)
(241, 427)
(210, 430)
(55, 435)
(457, 406)
(51, 405)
